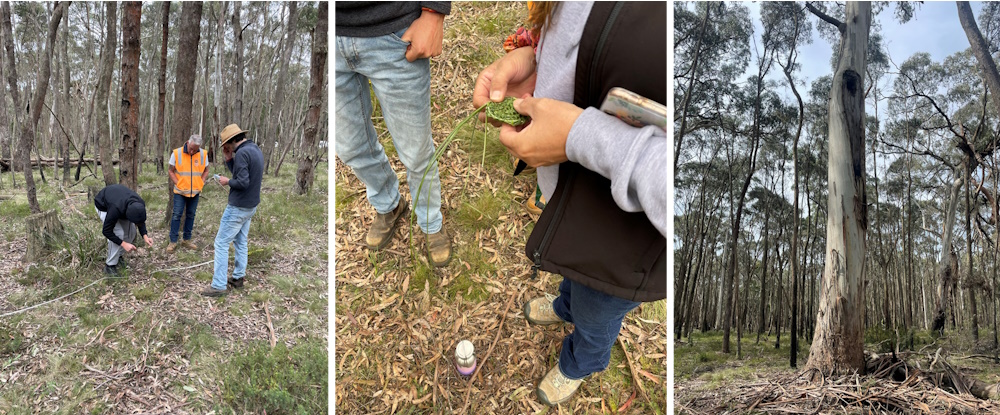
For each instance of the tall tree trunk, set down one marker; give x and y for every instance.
(63, 99)
(763, 274)
(794, 254)
(129, 129)
(949, 262)
(279, 86)
(217, 97)
(38, 101)
(979, 48)
(103, 88)
(317, 70)
(180, 127)
(838, 343)
(969, 275)
(687, 95)
(161, 87)
(238, 61)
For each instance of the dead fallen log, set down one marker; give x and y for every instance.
(5, 164)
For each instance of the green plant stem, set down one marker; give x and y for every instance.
(439, 152)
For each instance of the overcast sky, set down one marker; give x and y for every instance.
(934, 29)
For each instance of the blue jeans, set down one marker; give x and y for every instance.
(403, 91)
(186, 206)
(234, 227)
(597, 319)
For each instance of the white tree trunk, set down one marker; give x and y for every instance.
(838, 343)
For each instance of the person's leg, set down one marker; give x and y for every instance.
(191, 207)
(598, 319)
(403, 91)
(229, 226)
(561, 305)
(175, 216)
(357, 143)
(241, 245)
(115, 251)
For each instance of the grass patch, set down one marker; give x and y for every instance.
(702, 357)
(146, 293)
(279, 380)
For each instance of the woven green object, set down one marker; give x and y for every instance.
(504, 112)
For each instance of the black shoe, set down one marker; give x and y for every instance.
(238, 284)
(112, 271)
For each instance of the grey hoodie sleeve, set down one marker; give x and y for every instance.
(634, 159)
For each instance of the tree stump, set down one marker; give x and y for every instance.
(42, 229)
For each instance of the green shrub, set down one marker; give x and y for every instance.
(279, 380)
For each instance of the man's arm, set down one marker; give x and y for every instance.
(110, 219)
(426, 34)
(172, 172)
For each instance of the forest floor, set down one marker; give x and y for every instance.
(760, 381)
(149, 343)
(398, 319)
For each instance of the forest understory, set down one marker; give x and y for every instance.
(149, 343)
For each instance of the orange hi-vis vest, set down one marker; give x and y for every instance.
(189, 170)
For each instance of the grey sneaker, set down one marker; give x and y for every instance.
(384, 225)
(212, 292)
(439, 248)
(539, 311)
(555, 388)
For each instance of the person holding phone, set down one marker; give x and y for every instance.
(604, 225)
(246, 162)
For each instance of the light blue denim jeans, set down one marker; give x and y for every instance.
(403, 91)
(234, 227)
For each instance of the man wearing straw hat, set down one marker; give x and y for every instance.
(246, 162)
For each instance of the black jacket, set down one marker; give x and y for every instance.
(582, 234)
(120, 202)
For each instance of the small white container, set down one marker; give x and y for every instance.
(465, 358)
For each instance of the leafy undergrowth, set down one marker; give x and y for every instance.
(150, 342)
(398, 319)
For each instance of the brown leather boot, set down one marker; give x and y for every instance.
(384, 225)
(439, 248)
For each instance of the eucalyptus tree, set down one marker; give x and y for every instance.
(711, 50)
(838, 342)
(181, 126)
(129, 152)
(308, 156)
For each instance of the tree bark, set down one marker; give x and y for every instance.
(180, 127)
(161, 87)
(238, 61)
(129, 129)
(317, 70)
(979, 48)
(949, 262)
(838, 342)
(279, 86)
(102, 92)
(64, 98)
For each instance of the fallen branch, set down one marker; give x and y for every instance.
(631, 369)
(270, 327)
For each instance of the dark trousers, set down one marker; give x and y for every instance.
(597, 318)
(183, 206)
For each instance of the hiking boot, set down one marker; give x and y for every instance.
(237, 284)
(384, 225)
(112, 271)
(189, 245)
(439, 248)
(535, 204)
(555, 388)
(539, 311)
(212, 292)
(171, 247)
